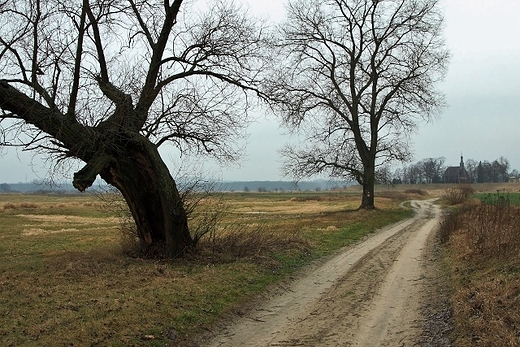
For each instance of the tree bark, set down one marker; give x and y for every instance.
(368, 183)
(139, 173)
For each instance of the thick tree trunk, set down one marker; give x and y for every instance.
(368, 183)
(140, 174)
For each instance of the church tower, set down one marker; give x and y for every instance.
(461, 162)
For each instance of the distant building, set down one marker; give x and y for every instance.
(456, 174)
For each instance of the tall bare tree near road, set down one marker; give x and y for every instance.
(355, 77)
(109, 81)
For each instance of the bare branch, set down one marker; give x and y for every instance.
(142, 23)
(362, 73)
(98, 42)
(77, 63)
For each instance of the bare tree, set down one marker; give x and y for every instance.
(471, 167)
(415, 174)
(501, 168)
(355, 77)
(383, 175)
(109, 81)
(495, 172)
(433, 168)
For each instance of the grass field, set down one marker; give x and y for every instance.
(65, 281)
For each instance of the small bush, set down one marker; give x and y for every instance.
(254, 242)
(455, 196)
(205, 214)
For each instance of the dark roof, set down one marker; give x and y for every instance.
(455, 174)
(452, 171)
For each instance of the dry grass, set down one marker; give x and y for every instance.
(257, 245)
(11, 206)
(458, 195)
(419, 192)
(65, 281)
(484, 244)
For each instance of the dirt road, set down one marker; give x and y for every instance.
(369, 294)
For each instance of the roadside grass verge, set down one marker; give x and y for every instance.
(65, 280)
(482, 248)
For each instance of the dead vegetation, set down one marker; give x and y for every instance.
(11, 206)
(419, 192)
(458, 195)
(483, 243)
(257, 245)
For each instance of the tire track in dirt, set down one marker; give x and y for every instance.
(363, 296)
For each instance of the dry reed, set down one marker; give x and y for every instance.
(484, 243)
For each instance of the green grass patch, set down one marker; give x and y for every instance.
(499, 197)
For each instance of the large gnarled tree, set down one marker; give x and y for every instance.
(355, 76)
(109, 81)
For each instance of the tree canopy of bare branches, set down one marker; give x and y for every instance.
(109, 81)
(356, 77)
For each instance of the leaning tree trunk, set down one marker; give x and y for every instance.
(125, 159)
(139, 173)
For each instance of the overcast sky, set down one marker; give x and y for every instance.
(482, 88)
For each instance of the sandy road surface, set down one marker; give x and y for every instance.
(366, 295)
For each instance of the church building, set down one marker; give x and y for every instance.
(456, 174)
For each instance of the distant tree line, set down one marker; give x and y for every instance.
(431, 170)
(496, 171)
(5, 188)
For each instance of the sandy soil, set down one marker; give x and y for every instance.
(370, 294)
